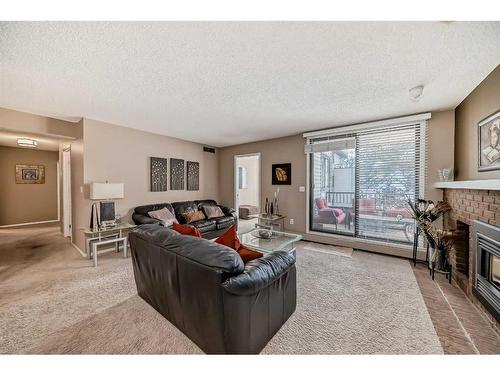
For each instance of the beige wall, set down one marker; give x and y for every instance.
(483, 101)
(250, 195)
(280, 150)
(26, 122)
(440, 150)
(27, 203)
(118, 154)
(291, 149)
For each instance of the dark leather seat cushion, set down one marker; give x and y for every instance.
(204, 225)
(224, 221)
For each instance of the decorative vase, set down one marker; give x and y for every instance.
(271, 209)
(266, 207)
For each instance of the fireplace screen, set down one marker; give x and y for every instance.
(487, 287)
(495, 270)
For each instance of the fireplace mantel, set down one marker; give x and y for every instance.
(469, 184)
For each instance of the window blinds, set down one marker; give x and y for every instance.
(388, 173)
(390, 168)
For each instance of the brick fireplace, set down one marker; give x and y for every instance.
(469, 205)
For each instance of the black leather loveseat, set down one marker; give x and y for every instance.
(205, 290)
(209, 228)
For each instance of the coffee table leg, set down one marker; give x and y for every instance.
(125, 247)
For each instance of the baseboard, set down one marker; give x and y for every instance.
(82, 253)
(32, 223)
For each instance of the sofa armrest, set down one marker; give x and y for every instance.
(259, 273)
(143, 219)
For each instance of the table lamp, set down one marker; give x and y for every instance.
(104, 192)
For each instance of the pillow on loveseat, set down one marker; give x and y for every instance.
(211, 212)
(166, 217)
(193, 216)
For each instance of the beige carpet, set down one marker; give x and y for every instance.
(55, 302)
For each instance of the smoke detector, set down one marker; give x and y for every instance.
(415, 93)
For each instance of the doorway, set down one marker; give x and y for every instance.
(66, 191)
(247, 189)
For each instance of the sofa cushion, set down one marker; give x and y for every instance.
(224, 222)
(204, 225)
(192, 216)
(230, 238)
(205, 202)
(183, 207)
(212, 212)
(186, 230)
(247, 254)
(166, 216)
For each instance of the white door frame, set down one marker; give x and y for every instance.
(235, 182)
(66, 191)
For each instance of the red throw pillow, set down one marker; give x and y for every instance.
(186, 230)
(230, 239)
(247, 254)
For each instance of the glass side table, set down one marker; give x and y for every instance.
(117, 235)
(273, 221)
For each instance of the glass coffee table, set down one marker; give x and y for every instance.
(279, 241)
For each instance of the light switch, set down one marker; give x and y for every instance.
(302, 189)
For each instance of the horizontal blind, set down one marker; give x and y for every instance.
(388, 172)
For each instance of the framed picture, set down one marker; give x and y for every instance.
(159, 175)
(176, 174)
(282, 174)
(193, 175)
(489, 143)
(30, 174)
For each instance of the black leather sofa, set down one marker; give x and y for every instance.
(205, 290)
(209, 228)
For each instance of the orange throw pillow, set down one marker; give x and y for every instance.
(186, 230)
(230, 239)
(247, 254)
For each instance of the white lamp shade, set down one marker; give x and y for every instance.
(100, 190)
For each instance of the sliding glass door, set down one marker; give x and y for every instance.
(387, 176)
(360, 183)
(333, 187)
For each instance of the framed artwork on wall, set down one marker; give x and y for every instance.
(159, 174)
(30, 174)
(193, 175)
(489, 143)
(282, 174)
(176, 174)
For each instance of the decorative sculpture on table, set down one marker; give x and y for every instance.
(425, 213)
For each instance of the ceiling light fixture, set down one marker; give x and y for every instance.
(415, 93)
(26, 142)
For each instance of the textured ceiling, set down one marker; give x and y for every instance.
(224, 83)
